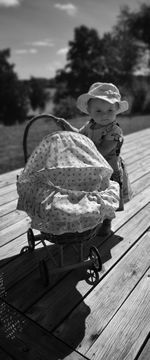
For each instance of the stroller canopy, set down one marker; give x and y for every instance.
(65, 185)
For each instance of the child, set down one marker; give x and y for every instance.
(103, 103)
(65, 186)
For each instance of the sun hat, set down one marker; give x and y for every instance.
(104, 91)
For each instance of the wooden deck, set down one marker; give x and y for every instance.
(72, 318)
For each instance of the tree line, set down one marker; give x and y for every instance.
(112, 57)
(18, 96)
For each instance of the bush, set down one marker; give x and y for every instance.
(66, 108)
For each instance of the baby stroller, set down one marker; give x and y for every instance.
(77, 240)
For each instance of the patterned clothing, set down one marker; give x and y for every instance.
(65, 185)
(110, 138)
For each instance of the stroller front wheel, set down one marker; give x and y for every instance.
(95, 258)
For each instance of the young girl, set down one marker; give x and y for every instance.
(103, 103)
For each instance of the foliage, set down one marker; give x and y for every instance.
(139, 24)
(38, 95)
(13, 94)
(92, 58)
(66, 108)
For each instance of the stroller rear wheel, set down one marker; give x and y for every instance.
(25, 249)
(31, 239)
(95, 258)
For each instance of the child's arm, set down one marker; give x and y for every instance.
(106, 146)
(111, 141)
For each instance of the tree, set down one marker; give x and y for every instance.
(135, 24)
(80, 68)
(13, 94)
(111, 58)
(38, 94)
(91, 59)
(139, 24)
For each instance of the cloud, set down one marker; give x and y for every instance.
(42, 43)
(69, 8)
(8, 3)
(25, 51)
(62, 51)
(54, 66)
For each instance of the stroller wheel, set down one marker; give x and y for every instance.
(44, 272)
(31, 240)
(25, 249)
(95, 258)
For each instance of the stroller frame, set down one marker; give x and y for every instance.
(75, 240)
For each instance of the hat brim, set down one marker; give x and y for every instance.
(83, 99)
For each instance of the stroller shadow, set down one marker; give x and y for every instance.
(60, 308)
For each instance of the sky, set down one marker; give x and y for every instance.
(38, 31)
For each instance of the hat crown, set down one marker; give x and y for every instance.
(105, 89)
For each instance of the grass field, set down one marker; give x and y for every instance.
(11, 151)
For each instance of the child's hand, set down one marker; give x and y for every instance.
(106, 146)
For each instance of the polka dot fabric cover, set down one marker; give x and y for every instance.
(65, 186)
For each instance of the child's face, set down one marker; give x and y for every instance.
(102, 112)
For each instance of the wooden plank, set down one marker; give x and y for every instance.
(9, 250)
(131, 208)
(137, 134)
(126, 155)
(24, 339)
(14, 247)
(6, 189)
(145, 354)
(142, 144)
(13, 231)
(6, 198)
(12, 218)
(27, 263)
(136, 138)
(7, 208)
(126, 332)
(140, 184)
(4, 355)
(107, 297)
(138, 155)
(9, 177)
(141, 164)
(138, 174)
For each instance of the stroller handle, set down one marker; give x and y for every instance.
(64, 125)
